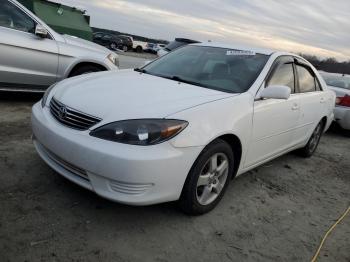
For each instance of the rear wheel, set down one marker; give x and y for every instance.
(313, 142)
(85, 69)
(208, 179)
(125, 48)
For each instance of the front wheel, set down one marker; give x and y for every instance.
(313, 142)
(139, 49)
(207, 179)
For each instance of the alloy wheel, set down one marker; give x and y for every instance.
(212, 178)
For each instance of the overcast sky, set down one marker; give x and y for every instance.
(320, 27)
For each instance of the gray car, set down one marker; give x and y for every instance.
(33, 56)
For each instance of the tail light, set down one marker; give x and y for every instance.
(343, 101)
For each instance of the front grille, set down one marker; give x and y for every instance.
(71, 117)
(66, 165)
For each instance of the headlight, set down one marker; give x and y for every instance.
(47, 93)
(113, 58)
(141, 132)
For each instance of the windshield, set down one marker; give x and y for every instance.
(337, 81)
(227, 70)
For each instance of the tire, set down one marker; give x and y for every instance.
(312, 144)
(204, 188)
(125, 48)
(86, 69)
(138, 49)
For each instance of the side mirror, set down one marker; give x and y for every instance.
(41, 31)
(275, 92)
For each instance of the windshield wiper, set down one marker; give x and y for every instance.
(179, 79)
(140, 70)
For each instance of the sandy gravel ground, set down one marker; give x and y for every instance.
(278, 212)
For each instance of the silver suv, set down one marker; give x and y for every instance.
(33, 56)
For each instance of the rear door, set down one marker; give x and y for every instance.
(313, 101)
(275, 120)
(26, 61)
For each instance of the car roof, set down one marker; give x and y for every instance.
(241, 47)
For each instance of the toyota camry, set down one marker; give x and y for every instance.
(183, 126)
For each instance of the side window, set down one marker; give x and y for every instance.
(283, 75)
(306, 80)
(12, 17)
(106, 37)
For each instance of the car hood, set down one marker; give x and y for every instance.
(76, 41)
(127, 94)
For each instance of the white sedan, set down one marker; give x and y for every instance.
(184, 125)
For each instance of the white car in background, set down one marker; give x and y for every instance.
(340, 84)
(154, 47)
(33, 56)
(139, 46)
(184, 125)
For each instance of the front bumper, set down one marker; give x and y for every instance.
(342, 116)
(127, 174)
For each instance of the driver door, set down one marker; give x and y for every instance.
(27, 62)
(275, 120)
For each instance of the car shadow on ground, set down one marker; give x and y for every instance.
(336, 130)
(20, 96)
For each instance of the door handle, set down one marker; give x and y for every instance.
(322, 100)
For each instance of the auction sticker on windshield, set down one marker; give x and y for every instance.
(239, 52)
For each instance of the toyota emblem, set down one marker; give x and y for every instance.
(62, 112)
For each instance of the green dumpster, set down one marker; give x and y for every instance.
(63, 19)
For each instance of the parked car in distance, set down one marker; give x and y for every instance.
(129, 38)
(139, 46)
(128, 42)
(184, 125)
(154, 47)
(178, 42)
(340, 84)
(33, 56)
(113, 42)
